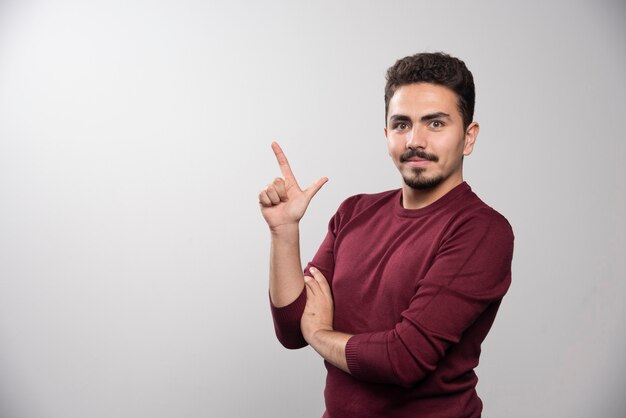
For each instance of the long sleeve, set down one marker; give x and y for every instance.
(287, 322)
(287, 318)
(469, 274)
(418, 290)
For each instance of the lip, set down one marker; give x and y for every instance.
(418, 162)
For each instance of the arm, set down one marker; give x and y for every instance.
(283, 203)
(317, 322)
(470, 274)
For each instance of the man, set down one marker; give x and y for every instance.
(407, 283)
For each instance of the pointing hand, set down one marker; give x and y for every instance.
(283, 202)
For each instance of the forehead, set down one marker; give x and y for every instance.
(419, 99)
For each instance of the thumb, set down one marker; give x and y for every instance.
(315, 187)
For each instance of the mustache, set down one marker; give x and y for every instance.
(419, 153)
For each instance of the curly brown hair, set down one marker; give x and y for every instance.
(436, 68)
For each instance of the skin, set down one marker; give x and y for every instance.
(424, 119)
(425, 116)
(283, 203)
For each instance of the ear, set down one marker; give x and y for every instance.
(387, 138)
(470, 138)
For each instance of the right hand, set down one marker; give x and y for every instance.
(283, 202)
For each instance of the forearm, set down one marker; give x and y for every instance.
(317, 322)
(331, 345)
(286, 277)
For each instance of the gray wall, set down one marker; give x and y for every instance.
(134, 137)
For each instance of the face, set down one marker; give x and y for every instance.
(426, 138)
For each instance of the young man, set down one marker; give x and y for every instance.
(407, 283)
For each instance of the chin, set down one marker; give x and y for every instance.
(420, 182)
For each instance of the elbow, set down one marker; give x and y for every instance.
(291, 341)
(292, 344)
(287, 323)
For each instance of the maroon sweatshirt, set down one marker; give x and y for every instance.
(419, 289)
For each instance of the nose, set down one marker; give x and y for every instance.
(416, 139)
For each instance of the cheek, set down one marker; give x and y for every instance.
(453, 148)
(392, 147)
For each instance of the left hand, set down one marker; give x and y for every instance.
(319, 310)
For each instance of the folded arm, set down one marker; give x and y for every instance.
(446, 304)
(283, 203)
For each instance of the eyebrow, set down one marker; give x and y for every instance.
(425, 118)
(402, 118)
(436, 115)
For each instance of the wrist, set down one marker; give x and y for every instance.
(285, 230)
(316, 337)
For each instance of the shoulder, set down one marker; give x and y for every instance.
(363, 201)
(478, 219)
(495, 225)
(487, 215)
(364, 205)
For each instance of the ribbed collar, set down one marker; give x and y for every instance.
(443, 201)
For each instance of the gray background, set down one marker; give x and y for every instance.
(135, 136)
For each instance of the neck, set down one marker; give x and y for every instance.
(418, 199)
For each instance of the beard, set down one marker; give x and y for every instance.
(419, 181)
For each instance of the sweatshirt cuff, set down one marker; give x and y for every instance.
(352, 349)
(287, 322)
(290, 312)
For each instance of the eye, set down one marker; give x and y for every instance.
(401, 126)
(436, 124)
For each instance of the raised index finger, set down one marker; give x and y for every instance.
(285, 169)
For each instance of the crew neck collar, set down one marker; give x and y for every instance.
(436, 205)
